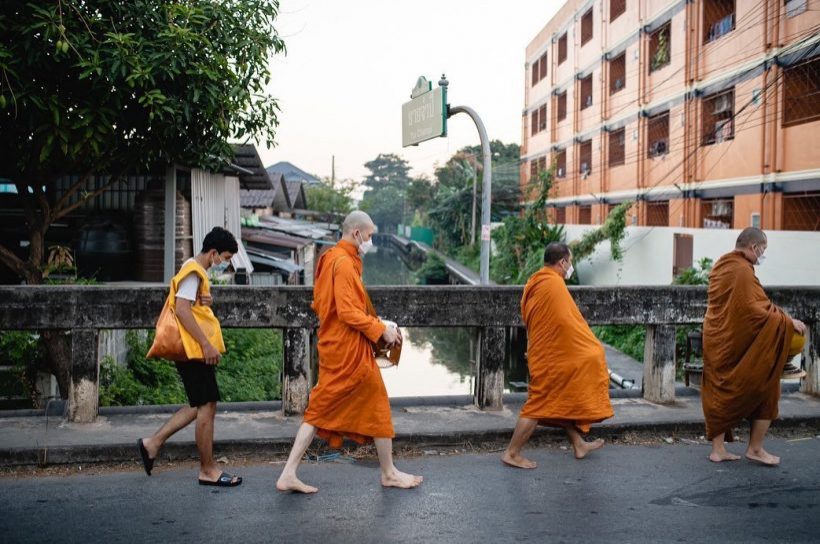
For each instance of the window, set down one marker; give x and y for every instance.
(560, 216)
(542, 118)
(617, 147)
(542, 163)
(533, 170)
(717, 213)
(718, 19)
(586, 92)
(585, 158)
(616, 9)
(657, 213)
(561, 164)
(718, 122)
(562, 106)
(658, 135)
(617, 73)
(801, 211)
(801, 94)
(534, 122)
(562, 48)
(584, 215)
(659, 47)
(539, 69)
(586, 27)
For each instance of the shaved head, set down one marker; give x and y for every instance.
(749, 237)
(356, 220)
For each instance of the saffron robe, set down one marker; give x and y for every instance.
(569, 381)
(350, 398)
(746, 342)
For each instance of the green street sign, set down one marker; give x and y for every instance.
(424, 117)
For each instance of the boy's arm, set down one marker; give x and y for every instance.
(186, 318)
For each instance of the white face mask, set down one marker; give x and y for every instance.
(364, 245)
(569, 272)
(218, 268)
(760, 258)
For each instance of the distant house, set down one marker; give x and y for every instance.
(292, 173)
(282, 199)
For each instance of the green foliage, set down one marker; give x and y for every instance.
(433, 271)
(332, 199)
(21, 350)
(248, 371)
(629, 339)
(696, 275)
(613, 229)
(387, 170)
(385, 207)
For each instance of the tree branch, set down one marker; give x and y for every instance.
(15, 263)
(58, 214)
(71, 190)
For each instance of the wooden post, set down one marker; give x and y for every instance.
(811, 355)
(83, 393)
(489, 388)
(659, 364)
(296, 381)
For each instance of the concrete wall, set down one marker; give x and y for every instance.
(792, 258)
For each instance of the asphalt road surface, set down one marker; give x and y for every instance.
(666, 493)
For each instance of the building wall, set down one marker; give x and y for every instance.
(648, 256)
(760, 157)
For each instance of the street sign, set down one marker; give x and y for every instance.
(424, 117)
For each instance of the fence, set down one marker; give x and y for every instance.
(84, 310)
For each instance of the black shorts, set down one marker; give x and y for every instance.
(199, 380)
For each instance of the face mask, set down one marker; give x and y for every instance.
(364, 246)
(219, 268)
(760, 258)
(569, 272)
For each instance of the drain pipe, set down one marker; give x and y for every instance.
(620, 381)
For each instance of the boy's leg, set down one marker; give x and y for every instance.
(181, 419)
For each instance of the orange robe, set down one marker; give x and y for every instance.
(569, 381)
(350, 398)
(746, 343)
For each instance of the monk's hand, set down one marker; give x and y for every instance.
(210, 354)
(390, 335)
(799, 326)
(206, 300)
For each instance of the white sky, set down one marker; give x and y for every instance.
(351, 64)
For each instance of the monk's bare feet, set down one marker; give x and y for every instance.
(294, 484)
(762, 457)
(517, 461)
(401, 480)
(583, 448)
(720, 456)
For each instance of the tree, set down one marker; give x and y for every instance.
(387, 170)
(330, 198)
(108, 87)
(385, 207)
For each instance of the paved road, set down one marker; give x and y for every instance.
(666, 493)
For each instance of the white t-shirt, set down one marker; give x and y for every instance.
(189, 286)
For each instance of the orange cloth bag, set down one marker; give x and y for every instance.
(172, 341)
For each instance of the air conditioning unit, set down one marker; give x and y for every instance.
(723, 130)
(560, 173)
(658, 148)
(585, 169)
(619, 84)
(589, 101)
(722, 104)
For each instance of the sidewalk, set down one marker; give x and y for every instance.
(261, 428)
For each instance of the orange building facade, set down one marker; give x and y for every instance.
(705, 113)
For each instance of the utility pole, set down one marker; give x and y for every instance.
(332, 171)
(475, 180)
(486, 187)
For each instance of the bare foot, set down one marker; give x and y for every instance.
(517, 461)
(720, 456)
(586, 447)
(762, 457)
(294, 484)
(401, 480)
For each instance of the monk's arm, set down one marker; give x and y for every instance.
(348, 306)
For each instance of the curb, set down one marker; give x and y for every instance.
(115, 453)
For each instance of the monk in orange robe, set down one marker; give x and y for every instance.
(350, 399)
(569, 382)
(747, 341)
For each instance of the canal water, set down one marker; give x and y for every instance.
(434, 361)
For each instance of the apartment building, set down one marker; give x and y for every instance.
(705, 113)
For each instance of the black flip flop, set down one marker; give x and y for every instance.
(224, 480)
(147, 462)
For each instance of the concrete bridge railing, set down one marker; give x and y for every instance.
(84, 310)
